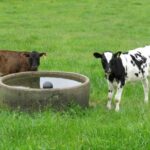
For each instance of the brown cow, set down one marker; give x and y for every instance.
(13, 61)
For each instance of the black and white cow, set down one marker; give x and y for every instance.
(123, 67)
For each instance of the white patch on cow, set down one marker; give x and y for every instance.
(108, 56)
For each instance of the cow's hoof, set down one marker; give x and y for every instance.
(146, 101)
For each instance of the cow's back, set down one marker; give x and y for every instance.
(12, 62)
(137, 63)
(144, 51)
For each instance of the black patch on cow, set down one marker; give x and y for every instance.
(117, 70)
(104, 62)
(126, 72)
(140, 62)
(136, 74)
(111, 77)
(110, 91)
(125, 52)
(132, 63)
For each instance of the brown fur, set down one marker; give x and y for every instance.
(13, 62)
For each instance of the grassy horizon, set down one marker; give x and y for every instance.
(69, 32)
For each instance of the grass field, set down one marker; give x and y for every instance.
(70, 31)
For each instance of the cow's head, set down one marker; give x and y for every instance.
(116, 64)
(115, 60)
(105, 60)
(34, 59)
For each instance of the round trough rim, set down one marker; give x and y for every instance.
(72, 75)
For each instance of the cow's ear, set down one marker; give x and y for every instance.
(27, 54)
(41, 54)
(97, 55)
(117, 54)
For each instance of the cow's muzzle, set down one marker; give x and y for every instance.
(34, 68)
(108, 71)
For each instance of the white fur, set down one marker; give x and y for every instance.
(108, 56)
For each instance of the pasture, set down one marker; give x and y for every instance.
(69, 32)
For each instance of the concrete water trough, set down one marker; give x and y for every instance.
(31, 91)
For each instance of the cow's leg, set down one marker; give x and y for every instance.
(110, 94)
(146, 89)
(118, 96)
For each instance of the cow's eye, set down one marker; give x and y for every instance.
(103, 61)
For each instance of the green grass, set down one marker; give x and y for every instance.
(70, 31)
